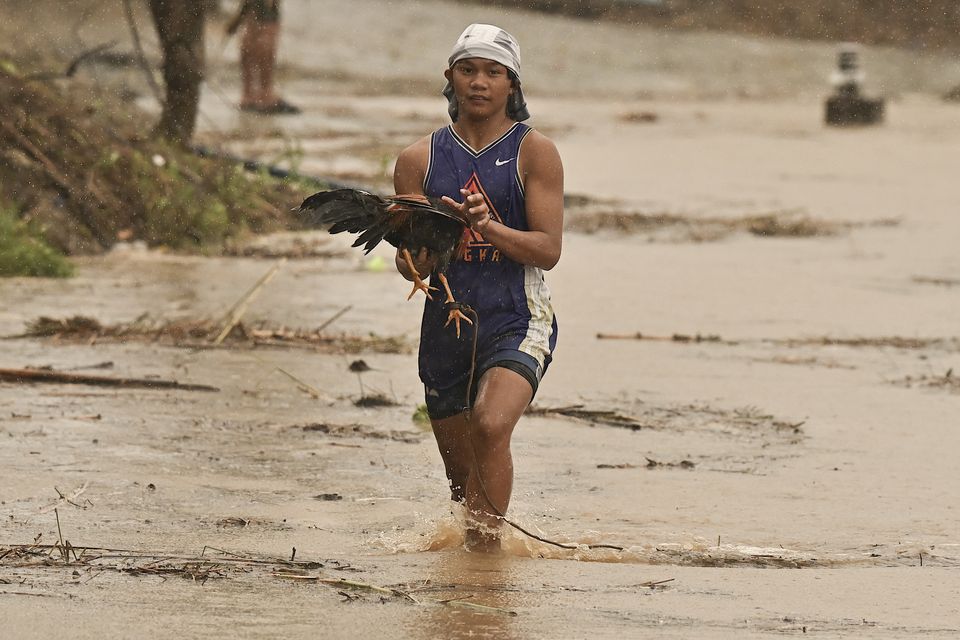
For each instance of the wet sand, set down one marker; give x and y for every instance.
(805, 465)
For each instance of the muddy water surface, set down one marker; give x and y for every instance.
(795, 475)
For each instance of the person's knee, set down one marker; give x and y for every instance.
(490, 431)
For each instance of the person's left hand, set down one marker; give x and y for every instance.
(474, 208)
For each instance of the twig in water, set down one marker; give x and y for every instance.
(656, 583)
(313, 391)
(676, 337)
(334, 317)
(64, 499)
(238, 309)
(460, 602)
(369, 587)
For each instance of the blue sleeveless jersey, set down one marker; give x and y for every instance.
(512, 300)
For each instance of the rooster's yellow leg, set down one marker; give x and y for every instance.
(455, 315)
(418, 284)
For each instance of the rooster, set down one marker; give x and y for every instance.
(408, 222)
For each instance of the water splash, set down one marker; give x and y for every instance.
(430, 534)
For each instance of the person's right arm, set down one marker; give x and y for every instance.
(408, 175)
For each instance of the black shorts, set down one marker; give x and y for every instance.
(446, 403)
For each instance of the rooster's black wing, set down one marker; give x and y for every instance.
(402, 220)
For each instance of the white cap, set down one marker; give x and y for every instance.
(490, 42)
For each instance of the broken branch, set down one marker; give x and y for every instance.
(22, 376)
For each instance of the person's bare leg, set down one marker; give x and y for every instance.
(502, 398)
(270, 37)
(454, 444)
(248, 57)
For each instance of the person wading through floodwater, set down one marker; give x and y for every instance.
(507, 179)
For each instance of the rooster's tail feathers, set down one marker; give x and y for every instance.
(348, 210)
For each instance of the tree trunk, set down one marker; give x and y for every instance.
(180, 27)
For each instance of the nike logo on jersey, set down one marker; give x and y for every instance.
(500, 162)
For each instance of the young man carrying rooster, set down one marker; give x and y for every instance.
(506, 179)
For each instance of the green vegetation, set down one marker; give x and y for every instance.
(185, 202)
(420, 416)
(82, 168)
(23, 253)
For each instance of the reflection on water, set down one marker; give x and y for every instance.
(474, 579)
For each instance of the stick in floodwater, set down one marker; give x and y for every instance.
(59, 532)
(334, 318)
(313, 391)
(676, 337)
(58, 377)
(303, 386)
(462, 602)
(457, 602)
(238, 309)
(62, 499)
(656, 583)
(369, 587)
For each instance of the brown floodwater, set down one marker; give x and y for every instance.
(786, 479)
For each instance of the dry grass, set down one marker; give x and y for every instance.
(787, 223)
(894, 342)
(946, 382)
(199, 334)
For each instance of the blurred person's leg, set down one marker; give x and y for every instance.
(249, 65)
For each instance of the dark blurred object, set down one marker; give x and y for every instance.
(360, 366)
(953, 95)
(847, 106)
(180, 28)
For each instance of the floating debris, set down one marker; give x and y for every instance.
(374, 400)
(199, 334)
(946, 382)
(361, 431)
(789, 223)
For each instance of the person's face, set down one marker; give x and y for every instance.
(482, 87)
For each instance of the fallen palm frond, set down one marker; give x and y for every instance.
(198, 334)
